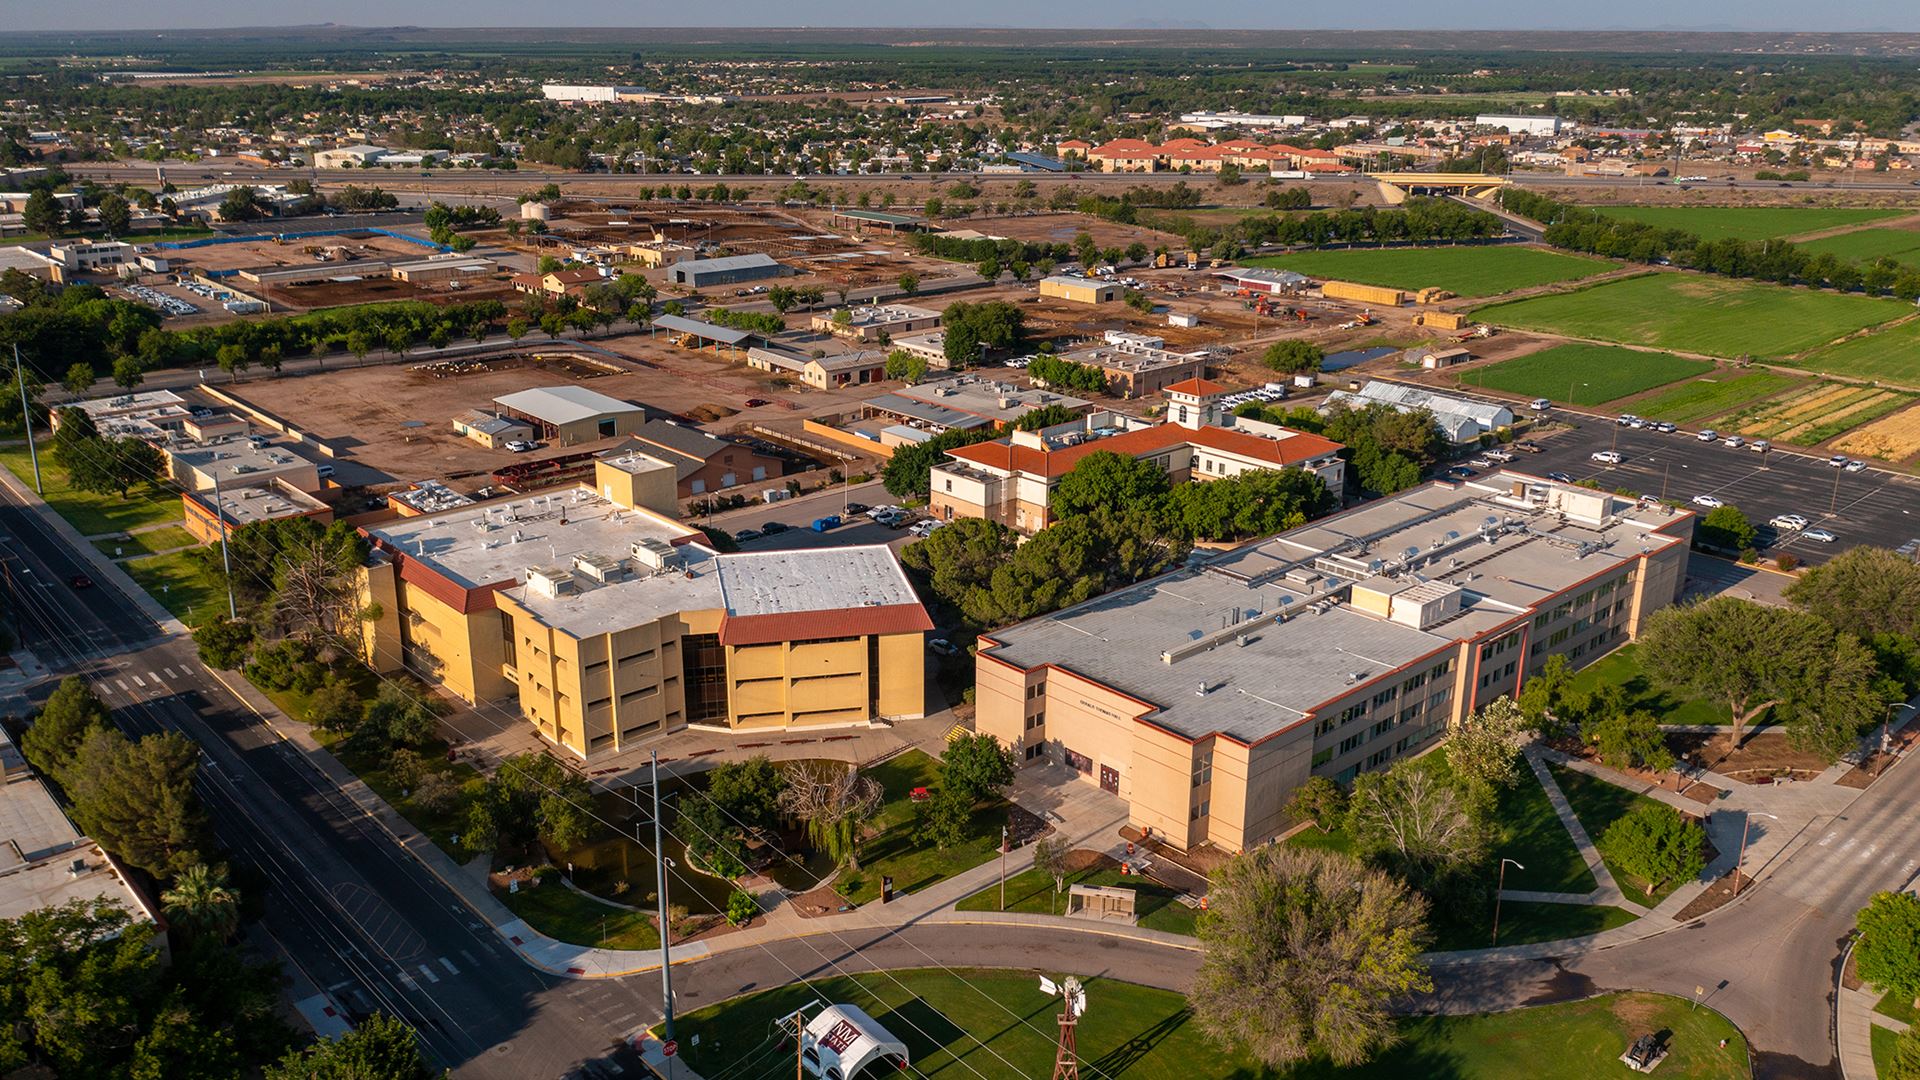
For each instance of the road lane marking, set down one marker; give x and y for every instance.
(408, 980)
(448, 964)
(428, 972)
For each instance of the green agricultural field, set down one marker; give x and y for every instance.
(1747, 222)
(1585, 374)
(1713, 395)
(1469, 271)
(1697, 313)
(1891, 355)
(1866, 245)
(971, 1022)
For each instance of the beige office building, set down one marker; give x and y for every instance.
(1206, 696)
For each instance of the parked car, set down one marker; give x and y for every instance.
(857, 508)
(1501, 456)
(745, 535)
(772, 527)
(1461, 472)
(1666, 427)
(1608, 457)
(1529, 448)
(80, 581)
(1820, 536)
(1711, 502)
(1837, 461)
(1481, 462)
(1788, 521)
(323, 471)
(942, 647)
(1856, 465)
(1541, 404)
(878, 512)
(1708, 435)
(521, 446)
(1560, 478)
(1734, 441)
(1625, 419)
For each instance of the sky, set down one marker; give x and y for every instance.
(1847, 15)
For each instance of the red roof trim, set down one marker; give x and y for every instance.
(816, 625)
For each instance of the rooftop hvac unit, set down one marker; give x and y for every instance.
(600, 568)
(654, 554)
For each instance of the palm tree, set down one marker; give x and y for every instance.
(201, 902)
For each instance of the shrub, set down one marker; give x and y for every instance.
(741, 907)
(1655, 844)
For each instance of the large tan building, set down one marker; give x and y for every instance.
(1206, 696)
(607, 623)
(1011, 480)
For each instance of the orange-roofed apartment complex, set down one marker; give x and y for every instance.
(1192, 155)
(608, 623)
(1009, 481)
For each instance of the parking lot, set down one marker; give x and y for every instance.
(799, 514)
(1875, 506)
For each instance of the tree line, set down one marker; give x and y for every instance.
(1577, 228)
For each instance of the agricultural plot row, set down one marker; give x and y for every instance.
(1467, 271)
(1890, 355)
(1748, 222)
(1866, 245)
(1895, 437)
(1817, 413)
(1581, 374)
(1695, 313)
(1711, 395)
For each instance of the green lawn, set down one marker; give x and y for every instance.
(1747, 222)
(1884, 1040)
(91, 514)
(1696, 313)
(178, 584)
(1469, 271)
(1031, 892)
(1530, 833)
(1622, 668)
(1714, 394)
(147, 543)
(1899, 1008)
(998, 1024)
(1866, 245)
(1526, 923)
(1891, 355)
(895, 852)
(565, 915)
(1599, 804)
(1585, 374)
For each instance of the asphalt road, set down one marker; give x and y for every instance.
(354, 915)
(1768, 962)
(1876, 506)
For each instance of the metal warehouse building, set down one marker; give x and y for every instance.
(702, 273)
(566, 415)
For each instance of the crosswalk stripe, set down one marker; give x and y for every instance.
(122, 683)
(170, 673)
(448, 964)
(137, 681)
(103, 688)
(428, 972)
(468, 957)
(409, 980)
(153, 676)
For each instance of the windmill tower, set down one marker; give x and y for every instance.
(1073, 1002)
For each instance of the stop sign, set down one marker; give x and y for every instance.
(669, 1048)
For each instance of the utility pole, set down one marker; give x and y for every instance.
(666, 930)
(799, 1044)
(1496, 897)
(226, 559)
(26, 418)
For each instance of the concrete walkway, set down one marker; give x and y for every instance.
(1606, 890)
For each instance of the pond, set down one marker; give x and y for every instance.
(1340, 361)
(616, 860)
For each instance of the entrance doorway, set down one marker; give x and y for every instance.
(1110, 779)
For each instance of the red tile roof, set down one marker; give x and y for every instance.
(819, 625)
(1006, 457)
(1197, 387)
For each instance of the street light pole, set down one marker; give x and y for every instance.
(1496, 897)
(26, 418)
(226, 560)
(660, 879)
(1739, 871)
(1886, 721)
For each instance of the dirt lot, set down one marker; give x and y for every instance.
(369, 290)
(264, 252)
(1063, 228)
(360, 411)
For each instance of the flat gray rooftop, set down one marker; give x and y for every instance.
(815, 579)
(1314, 652)
(496, 542)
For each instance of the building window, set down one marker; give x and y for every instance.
(1352, 742)
(704, 663)
(1201, 809)
(1321, 757)
(1203, 771)
(1383, 697)
(1379, 758)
